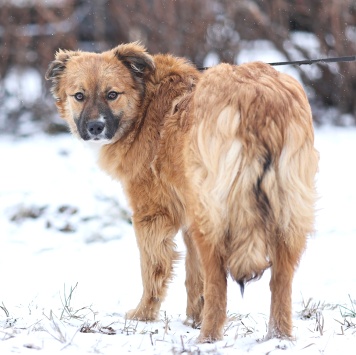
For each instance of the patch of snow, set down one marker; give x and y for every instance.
(351, 33)
(23, 83)
(265, 51)
(65, 227)
(25, 3)
(211, 59)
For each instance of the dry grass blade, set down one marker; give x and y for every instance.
(7, 313)
(67, 301)
(310, 308)
(68, 312)
(89, 328)
(346, 324)
(319, 322)
(182, 342)
(245, 325)
(7, 335)
(348, 312)
(130, 327)
(97, 328)
(58, 333)
(166, 322)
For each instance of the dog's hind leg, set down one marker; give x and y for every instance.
(193, 283)
(215, 286)
(154, 236)
(296, 170)
(284, 262)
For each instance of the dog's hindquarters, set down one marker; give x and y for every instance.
(252, 163)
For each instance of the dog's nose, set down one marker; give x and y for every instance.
(95, 127)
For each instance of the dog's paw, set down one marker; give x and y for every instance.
(275, 334)
(210, 336)
(146, 315)
(203, 339)
(194, 323)
(194, 317)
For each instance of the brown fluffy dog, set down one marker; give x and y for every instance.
(226, 156)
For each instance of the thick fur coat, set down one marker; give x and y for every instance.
(226, 156)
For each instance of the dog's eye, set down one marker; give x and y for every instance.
(79, 96)
(112, 95)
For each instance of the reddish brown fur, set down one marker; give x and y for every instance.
(226, 156)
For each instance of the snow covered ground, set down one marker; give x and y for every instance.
(69, 264)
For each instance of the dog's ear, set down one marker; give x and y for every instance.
(135, 57)
(56, 69)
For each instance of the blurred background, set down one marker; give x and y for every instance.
(205, 31)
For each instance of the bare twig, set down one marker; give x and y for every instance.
(7, 335)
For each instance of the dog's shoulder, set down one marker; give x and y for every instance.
(170, 67)
(169, 90)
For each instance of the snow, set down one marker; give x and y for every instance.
(24, 3)
(65, 232)
(24, 84)
(265, 51)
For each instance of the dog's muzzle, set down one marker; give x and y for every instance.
(95, 128)
(102, 128)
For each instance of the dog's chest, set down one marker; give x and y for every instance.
(94, 149)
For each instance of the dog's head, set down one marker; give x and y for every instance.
(99, 95)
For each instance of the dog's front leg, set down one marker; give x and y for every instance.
(154, 236)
